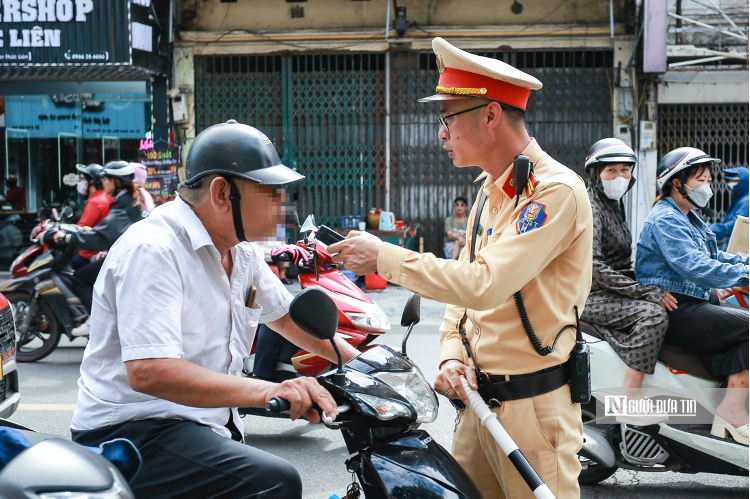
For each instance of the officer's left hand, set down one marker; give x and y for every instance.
(358, 253)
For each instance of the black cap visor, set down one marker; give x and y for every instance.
(274, 176)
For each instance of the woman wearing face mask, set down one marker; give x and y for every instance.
(630, 316)
(677, 251)
(95, 209)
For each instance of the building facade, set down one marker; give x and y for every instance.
(81, 81)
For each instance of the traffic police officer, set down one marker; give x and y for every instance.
(539, 243)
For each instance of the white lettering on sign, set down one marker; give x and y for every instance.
(142, 36)
(30, 11)
(35, 37)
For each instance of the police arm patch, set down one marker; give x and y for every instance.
(532, 216)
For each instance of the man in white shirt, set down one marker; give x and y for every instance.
(173, 317)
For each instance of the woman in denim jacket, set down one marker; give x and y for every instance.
(678, 252)
(631, 317)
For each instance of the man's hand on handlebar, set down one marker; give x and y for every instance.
(302, 393)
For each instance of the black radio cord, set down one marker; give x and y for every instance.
(530, 331)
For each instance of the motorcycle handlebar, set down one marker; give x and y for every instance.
(277, 405)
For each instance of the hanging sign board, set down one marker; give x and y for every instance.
(65, 32)
(161, 168)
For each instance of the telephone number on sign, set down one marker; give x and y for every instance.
(86, 57)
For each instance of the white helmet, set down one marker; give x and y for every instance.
(609, 151)
(680, 160)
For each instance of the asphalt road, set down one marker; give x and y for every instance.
(48, 391)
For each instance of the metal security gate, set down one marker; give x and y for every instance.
(571, 112)
(326, 115)
(721, 130)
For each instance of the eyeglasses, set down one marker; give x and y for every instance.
(443, 120)
(459, 204)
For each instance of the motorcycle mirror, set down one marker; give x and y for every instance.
(411, 311)
(410, 318)
(314, 312)
(67, 213)
(309, 225)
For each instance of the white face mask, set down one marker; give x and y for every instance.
(615, 188)
(700, 196)
(732, 184)
(83, 188)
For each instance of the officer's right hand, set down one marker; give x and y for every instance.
(448, 381)
(301, 393)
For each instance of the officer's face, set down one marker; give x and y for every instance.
(461, 137)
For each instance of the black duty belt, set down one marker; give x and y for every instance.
(496, 389)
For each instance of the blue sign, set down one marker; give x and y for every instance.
(89, 116)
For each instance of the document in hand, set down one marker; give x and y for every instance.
(738, 242)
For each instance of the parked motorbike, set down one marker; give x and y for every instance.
(25, 262)
(55, 468)
(360, 320)
(382, 399)
(682, 448)
(43, 305)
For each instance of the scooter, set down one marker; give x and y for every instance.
(382, 399)
(43, 304)
(25, 262)
(670, 446)
(52, 467)
(360, 319)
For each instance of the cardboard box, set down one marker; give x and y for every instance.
(739, 241)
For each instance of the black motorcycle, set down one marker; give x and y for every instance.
(44, 307)
(382, 399)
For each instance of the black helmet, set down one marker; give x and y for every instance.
(678, 161)
(237, 150)
(608, 151)
(119, 169)
(93, 172)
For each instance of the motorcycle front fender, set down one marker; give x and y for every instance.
(597, 448)
(414, 465)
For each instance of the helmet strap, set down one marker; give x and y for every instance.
(234, 197)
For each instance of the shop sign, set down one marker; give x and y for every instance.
(64, 32)
(161, 168)
(85, 115)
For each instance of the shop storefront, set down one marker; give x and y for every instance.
(79, 81)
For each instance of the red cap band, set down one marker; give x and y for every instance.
(502, 91)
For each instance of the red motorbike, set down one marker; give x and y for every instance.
(360, 319)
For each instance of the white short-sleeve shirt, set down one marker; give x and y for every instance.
(163, 293)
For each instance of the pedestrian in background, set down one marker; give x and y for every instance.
(455, 229)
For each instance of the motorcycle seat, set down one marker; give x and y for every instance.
(676, 357)
(680, 359)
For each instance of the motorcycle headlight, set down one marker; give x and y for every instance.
(371, 318)
(119, 490)
(414, 388)
(385, 409)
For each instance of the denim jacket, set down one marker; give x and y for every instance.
(678, 253)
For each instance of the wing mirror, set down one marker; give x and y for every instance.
(314, 312)
(410, 318)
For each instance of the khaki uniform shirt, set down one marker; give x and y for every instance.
(542, 247)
